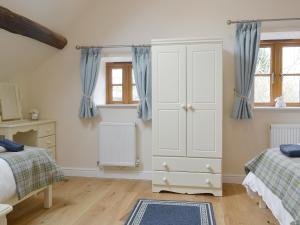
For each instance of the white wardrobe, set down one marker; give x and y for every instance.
(187, 116)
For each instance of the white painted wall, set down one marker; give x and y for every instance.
(54, 87)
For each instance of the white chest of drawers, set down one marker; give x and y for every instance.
(41, 133)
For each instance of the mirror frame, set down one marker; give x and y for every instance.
(17, 115)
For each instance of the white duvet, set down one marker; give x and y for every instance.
(7, 182)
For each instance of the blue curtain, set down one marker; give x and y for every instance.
(141, 61)
(247, 40)
(89, 69)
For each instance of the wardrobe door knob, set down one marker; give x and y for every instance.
(165, 164)
(183, 106)
(165, 179)
(189, 106)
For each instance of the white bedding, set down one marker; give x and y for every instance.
(254, 185)
(7, 182)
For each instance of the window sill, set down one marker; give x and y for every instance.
(118, 106)
(277, 109)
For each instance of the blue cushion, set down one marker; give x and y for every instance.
(290, 150)
(11, 146)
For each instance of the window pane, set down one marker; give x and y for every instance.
(264, 61)
(290, 88)
(135, 96)
(290, 60)
(117, 76)
(117, 93)
(132, 77)
(262, 92)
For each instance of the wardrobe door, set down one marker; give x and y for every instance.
(169, 100)
(204, 100)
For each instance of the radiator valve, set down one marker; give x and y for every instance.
(138, 162)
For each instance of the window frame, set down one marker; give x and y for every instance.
(126, 83)
(272, 75)
(276, 69)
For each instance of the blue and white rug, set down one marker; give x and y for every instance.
(152, 212)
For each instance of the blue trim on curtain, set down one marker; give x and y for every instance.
(247, 40)
(141, 62)
(89, 69)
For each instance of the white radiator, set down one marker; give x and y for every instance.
(117, 144)
(284, 134)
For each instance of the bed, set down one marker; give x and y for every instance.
(24, 174)
(275, 178)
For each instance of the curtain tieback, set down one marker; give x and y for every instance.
(240, 95)
(89, 98)
(142, 101)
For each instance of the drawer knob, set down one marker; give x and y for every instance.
(207, 181)
(208, 166)
(48, 130)
(165, 179)
(165, 164)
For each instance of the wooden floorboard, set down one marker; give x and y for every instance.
(91, 201)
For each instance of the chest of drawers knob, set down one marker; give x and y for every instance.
(164, 164)
(207, 181)
(208, 166)
(165, 179)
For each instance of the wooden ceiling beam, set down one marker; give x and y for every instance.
(21, 25)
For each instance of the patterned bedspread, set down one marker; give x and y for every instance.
(281, 175)
(33, 169)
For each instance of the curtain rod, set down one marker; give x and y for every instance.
(112, 46)
(260, 20)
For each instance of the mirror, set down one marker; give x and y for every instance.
(9, 102)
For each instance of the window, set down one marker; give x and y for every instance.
(120, 84)
(277, 73)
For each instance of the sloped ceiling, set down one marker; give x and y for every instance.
(20, 55)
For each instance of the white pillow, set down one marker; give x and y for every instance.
(2, 149)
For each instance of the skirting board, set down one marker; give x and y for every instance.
(135, 175)
(114, 174)
(233, 178)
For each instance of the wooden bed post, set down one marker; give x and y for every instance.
(4, 210)
(262, 204)
(48, 197)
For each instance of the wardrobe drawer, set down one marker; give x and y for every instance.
(46, 129)
(46, 142)
(204, 180)
(202, 165)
